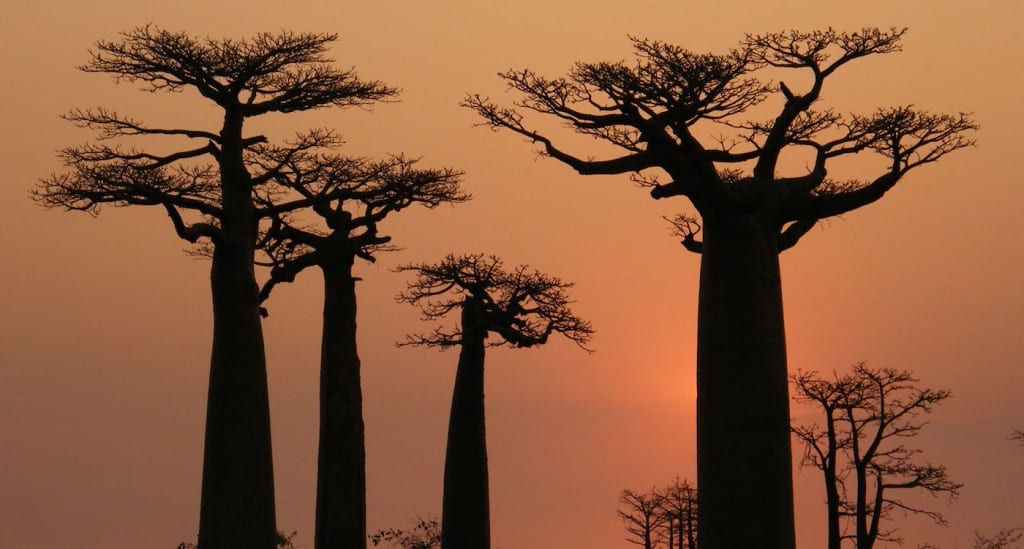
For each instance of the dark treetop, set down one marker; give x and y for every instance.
(522, 306)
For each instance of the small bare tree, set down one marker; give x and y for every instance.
(522, 307)
(679, 505)
(861, 452)
(643, 516)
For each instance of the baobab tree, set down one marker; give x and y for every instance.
(210, 194)
(522, 308)
(862, 452)
(660, 110)
(363, 193)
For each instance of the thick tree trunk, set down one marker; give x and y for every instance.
(237, 506)
(341, 463)
(465, 512)
(744, 465)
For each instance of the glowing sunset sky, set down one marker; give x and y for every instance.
(104, 350)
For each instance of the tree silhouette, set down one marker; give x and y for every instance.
(667, 514)
(363, 193)
(425, 535)
(210, 192)
(1018, 435)
(679, 506)
(643, 517)
(659, 111)
(861, 450)
(522, 308)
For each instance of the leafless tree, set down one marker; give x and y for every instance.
(658, 111)
(679, 505)
(522, 308)
(862, 453)
(361, 194)
(643, 516)
(209, 190)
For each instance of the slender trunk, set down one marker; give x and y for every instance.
(832, 484)
(341, 463)
(465, 513)
(691, 532)
(744, 464)
(237, 505)
(862, 507)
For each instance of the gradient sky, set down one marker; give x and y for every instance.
(106, 323)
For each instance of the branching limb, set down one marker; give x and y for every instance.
(908, 138)
(191, 233)
(109, 125)
(687, 227)
(794, 232)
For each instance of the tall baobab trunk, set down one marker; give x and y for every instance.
(341, 462)
(743, 437)
(465, 513)
(237, 506)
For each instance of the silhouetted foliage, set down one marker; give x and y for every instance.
(351, 196)
(216, 195)
(523, 308)
(426, 534)
(861, 449)
(658, 110)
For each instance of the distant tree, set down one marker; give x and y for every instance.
(679, 505)
(426, 534)
(659, 110)
(210, 194)
(1018, 435)
(865, 463)
(643, 517)
(522, 308)
(363, 193)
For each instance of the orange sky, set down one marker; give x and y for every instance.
(106, 326)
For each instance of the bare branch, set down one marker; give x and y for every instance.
(687, 227)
